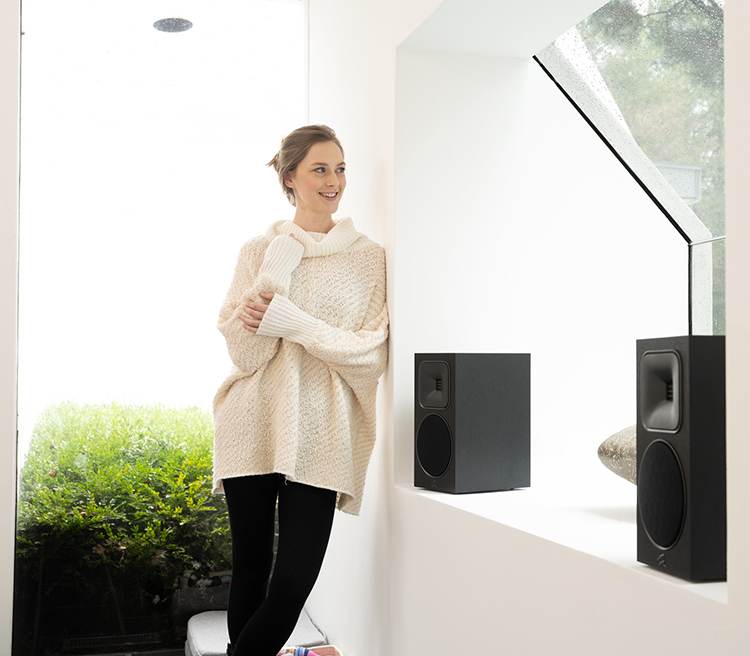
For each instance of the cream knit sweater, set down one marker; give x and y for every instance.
(300, 399)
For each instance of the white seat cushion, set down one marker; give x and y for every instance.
(207, 634)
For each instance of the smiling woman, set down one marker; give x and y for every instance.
(306, 326)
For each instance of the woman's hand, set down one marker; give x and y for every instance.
(252, 314)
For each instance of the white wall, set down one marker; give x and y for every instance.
(451, 581)
(351, 89)
(737, 99)
(517, 231)
(9, 117)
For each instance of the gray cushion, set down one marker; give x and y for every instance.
(207, 634)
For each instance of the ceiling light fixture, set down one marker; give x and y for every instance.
(173, 25)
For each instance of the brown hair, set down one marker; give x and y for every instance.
(294, 148)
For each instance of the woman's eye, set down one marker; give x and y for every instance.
(320, 169)
(341, 170)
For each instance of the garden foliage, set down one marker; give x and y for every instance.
(125, 490)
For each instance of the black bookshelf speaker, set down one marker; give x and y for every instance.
(681, 456)
(472, 421)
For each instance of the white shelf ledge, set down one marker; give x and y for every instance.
(576, 503)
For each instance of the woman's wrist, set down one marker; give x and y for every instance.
(282, 257)
(284, 319)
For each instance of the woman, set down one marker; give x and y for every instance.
(306, 326)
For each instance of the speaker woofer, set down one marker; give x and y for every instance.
(434, 445)
(661, 494)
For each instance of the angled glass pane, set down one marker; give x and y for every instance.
(708, 313)
(648, 75)
(663, 63)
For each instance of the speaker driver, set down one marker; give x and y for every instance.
(661, 494)
(434, 445)
(434, 385)
(660, 391)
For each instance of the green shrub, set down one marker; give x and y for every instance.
(118, 498)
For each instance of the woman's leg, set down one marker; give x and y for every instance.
(305, 520)
(251, 502)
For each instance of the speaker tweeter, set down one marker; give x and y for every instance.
(434, 384)
(660, 390)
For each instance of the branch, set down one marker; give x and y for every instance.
(666, 11)
(708, 7)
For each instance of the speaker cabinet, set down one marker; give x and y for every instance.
(681, 456)
(472, 421)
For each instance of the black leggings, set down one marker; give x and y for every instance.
(261, 617)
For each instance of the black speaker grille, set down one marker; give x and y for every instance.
(434, 445)
(661, 494)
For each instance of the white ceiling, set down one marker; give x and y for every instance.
(507, 28)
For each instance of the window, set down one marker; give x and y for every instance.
(648, 76)
(143, 172)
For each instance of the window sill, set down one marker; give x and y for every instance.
(576, 504)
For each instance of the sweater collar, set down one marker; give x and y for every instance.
(340, 237)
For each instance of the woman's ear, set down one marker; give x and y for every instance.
(288, 181)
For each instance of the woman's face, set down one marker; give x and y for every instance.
(319, 180)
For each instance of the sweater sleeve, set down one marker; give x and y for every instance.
(281, 258)
(247, 350)
(358, 356)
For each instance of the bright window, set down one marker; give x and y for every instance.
(649, 77)
(143, 173)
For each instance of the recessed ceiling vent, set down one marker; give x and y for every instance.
(173, 25)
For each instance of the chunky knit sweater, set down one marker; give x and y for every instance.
(300, 399)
